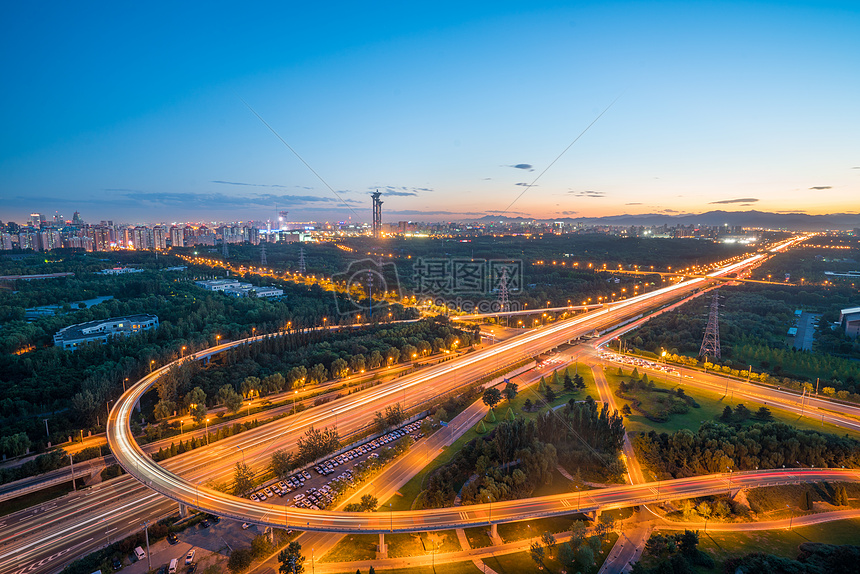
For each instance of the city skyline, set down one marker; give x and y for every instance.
(128, 114)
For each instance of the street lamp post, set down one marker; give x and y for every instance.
(148, 553)
(151, 363)
(207, 432)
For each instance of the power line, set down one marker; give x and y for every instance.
(307, 165)
(582, 133)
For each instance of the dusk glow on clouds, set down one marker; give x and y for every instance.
(135, 112)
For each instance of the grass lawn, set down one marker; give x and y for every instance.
(38, 497)
(513, 531)
(723, 545)
(520, 562)
(711, 404)
(415, 486)
(453, 568)
(413, 544)
(478, 537)
(353, 547)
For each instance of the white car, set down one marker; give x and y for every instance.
(246, 526)
(299, 496)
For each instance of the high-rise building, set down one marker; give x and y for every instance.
(100, 237)
(141, 238)
(26, 239)
(159, 237)
(76, 219)
(49, 239)
(177, 237)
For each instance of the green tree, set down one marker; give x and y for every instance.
(273, 384)
(297, 377)
(318, 374)
(243, 479)
(492, 397)
(510, 391)
(240, 560)
(568, 382)
(585, 557)
(195, 402)
(281, 463)
(537, 552)
(291, 559)
(339, 368)
(394, 415)
(742, 413)
(549, 542)
(316, 443)
(260, 546)
(369, 502)
(374, 361)
(357, 363)
(251, 386)
(550, 394)
(163, 410)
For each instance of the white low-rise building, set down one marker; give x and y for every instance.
(119, 271)
(221, 284)
(73, 336)
(849, 319)
(245, 290)
(238, 289)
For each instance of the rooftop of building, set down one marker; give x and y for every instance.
(79, 330)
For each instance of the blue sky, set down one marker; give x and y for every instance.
(136, 113)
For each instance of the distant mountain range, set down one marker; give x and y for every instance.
(793, 221)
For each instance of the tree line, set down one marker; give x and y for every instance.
(519, 454)
(718, 447)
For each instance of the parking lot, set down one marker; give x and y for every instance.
(315, 488)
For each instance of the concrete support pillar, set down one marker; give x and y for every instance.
(494, 534)
(137, 405)
(270, 532)
(183, 510)
(594, 515)
(382, 550)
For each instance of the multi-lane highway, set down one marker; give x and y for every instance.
(440, 377)
(81, 524)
